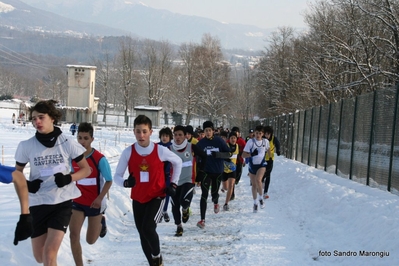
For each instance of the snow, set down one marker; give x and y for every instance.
(5, 8)
(311, 218)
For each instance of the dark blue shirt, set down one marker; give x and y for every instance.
(217, 144)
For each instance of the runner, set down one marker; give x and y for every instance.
(145, 162)
(216, 150)
(51, 185)
(166, 136)
(230, 170)
(255, 150)
(274, 147)
(92, 202)
(185, 187)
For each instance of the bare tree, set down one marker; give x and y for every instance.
(212, 77)
(156, 65)
(126, 66)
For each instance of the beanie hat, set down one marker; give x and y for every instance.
(207, 124)
(236, 129)
(190, 130)
(233, 133)
(179, 127)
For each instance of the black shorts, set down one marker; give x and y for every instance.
(226, 176)
(86, 209)
(50, 216)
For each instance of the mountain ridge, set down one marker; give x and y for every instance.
(146, 22)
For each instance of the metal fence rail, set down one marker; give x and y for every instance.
(355, 138)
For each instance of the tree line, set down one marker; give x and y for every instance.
(349, 47)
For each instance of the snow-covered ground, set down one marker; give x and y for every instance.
(311, 218)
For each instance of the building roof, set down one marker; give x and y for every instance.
(148, 107)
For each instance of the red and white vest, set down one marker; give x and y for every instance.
(149, 173)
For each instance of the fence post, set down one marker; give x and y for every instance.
(297, 135)
(353, 139)
(339, 136)
(395, 117)
(371, 138)
(310, 135)
(303, 136)
(318, 138)
(328, 137)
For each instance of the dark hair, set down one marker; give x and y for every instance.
(237, 129)
(233, 133)
(223, 134)
(269, 129)
(142, 120)
(180, 128)
(260, 128)
(46, 107)
(166, 131)
(86, 127)
(190, 130)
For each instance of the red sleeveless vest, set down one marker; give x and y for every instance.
(149, 173)
(90, 187)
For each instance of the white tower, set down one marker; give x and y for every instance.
(81, 89)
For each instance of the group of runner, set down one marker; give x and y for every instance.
(69, 180)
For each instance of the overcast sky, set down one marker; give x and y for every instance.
(261, 13)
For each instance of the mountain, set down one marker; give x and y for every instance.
(17, 15)
(155, 24)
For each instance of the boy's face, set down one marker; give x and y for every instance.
(202, 135)
(165, 138)
(188, 136)
(208, 132)
(258, 135)
(43, 123)
(85, 139)
(233, 140)
(142, 133)
(178, 137)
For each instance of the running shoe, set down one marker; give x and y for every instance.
(157, 261)
(103, 231)
(186, 215)
(216, 208)
(226, 207)
(265, 196)
(179, 231)
(262, 204)
(166, 217)
(201, 224)
(255, 208)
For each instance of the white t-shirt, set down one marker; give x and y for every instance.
(44, 163)
(261, 145)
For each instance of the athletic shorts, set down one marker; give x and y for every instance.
(6, 174)
(226, 176)
(255, 167)
(86, 209)
(50, 216)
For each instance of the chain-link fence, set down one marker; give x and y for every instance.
(355, 138)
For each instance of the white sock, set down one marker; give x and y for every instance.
(256, 202)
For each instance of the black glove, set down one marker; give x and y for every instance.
(171, 189)
(34, 186)
(130, 181)
(214, 154)
(24, 228)
(254, 153)
(62, 180)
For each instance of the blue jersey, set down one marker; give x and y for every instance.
(216, 144)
